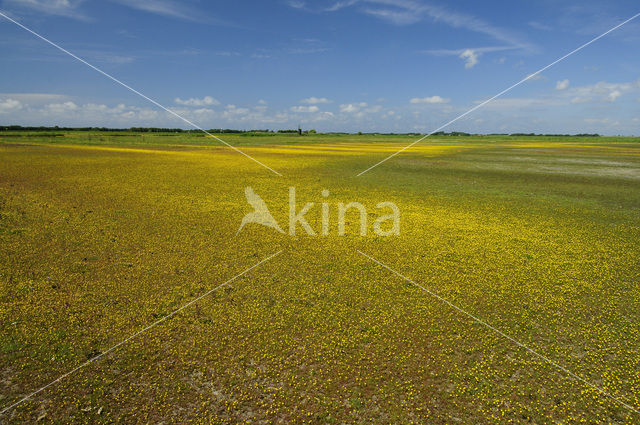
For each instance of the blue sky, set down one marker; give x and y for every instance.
(347, 65)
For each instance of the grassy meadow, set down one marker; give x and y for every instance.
(102, 234)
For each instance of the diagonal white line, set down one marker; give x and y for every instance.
(139, 94)
(501, 93)
(499, 332)
(124, 341)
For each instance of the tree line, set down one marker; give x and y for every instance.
(232, 131)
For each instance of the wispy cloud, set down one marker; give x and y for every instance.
(34, 98)
(296, 4)
(397, 17)
(315, 100)
(305, 46)
(458, 52)
(296, 46)
(539, 26)
(64, 8)
(169, 8)
(307, 51)
(71, 9)
(408, 12)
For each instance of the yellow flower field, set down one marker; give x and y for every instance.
(101, 236)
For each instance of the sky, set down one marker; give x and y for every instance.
(331, 65)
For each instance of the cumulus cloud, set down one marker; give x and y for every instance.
(232, 109)
(305, 109)
(470, 57)
(352, 107)
(565, 95)
(205, 101)
(562, 85)
(614, 95)
(432, 99)
(9, 105)
(604, 91)
(315, 100)
(59, 108)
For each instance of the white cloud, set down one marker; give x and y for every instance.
(92, 114)
(613, 96)
(315, 100)
(205, 101)
(306, 50)
(604, 91)
(70, 8)
(513, 103)
(60, 108)
(34, 98)
(432, 99)
(352, 107)
(397, 17)
(169, 8)
(578, 100)
(535, 77)
(471, 55)
(539, 26)
(562, 85)
(66, 8)
(602, 121)
(297, 4)
(341, 5)
(9, 105)
(471, 58)
(233, 110)
(304, 109)
(407, 12)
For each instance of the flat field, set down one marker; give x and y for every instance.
(104, 234)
